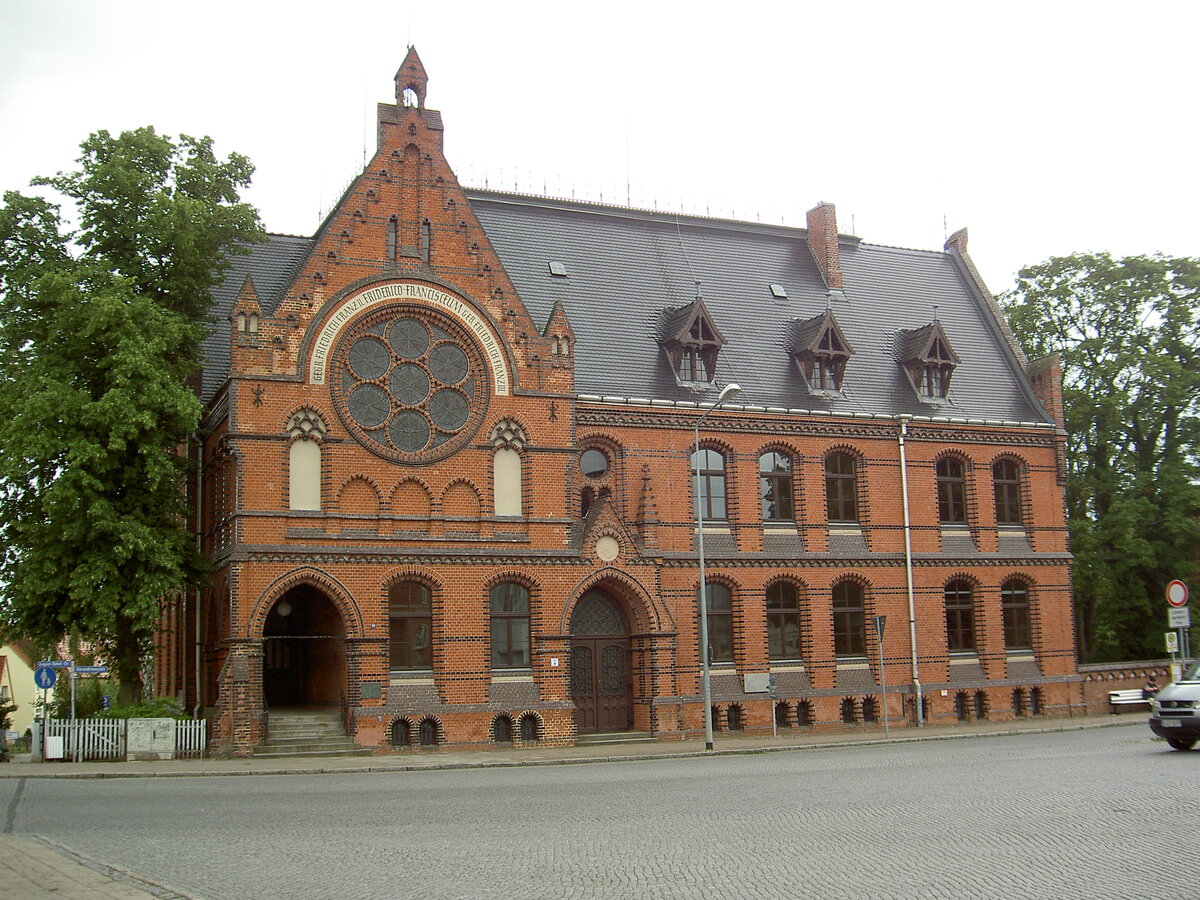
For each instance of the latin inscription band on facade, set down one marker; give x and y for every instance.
(387, 292)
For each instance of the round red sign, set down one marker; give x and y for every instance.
(1177, 594)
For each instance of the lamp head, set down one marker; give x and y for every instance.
(728, 392)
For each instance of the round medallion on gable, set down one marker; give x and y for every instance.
(409, 383)
(607, 548)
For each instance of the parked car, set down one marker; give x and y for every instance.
(1175, 711)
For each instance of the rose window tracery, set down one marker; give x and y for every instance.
(410, 384)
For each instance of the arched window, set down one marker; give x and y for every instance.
(951, 491)
(304, 475)
(849, 620)
(502, 729)
(710, 491)
(400, 734)
(849, 710)
(775, 486)
(1014, 606)
(783, 714)
(804, 713)
(531, 730)
(841, 487)
(720, 622)
(410, 619)
(733, 716)
(1006, 481)
(429, 732)
(960, 616)
(510, 626)
(506, 469)
(783, 621)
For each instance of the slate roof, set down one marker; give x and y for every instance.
(625, 267)
(271, 267)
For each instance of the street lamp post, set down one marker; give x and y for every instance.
(730, 390)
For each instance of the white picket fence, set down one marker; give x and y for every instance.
(89, 738)
(100, 739)
(191, 738)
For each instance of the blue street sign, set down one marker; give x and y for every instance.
(45, 677)
(91, 670)
(54, 664)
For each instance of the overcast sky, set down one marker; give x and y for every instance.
(1045, 127)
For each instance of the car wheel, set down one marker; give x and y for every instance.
(1181, 743)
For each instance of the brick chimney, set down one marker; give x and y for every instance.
(823, 242)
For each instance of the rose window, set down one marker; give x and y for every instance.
(409, 384)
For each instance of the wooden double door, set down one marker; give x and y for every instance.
(601, 680)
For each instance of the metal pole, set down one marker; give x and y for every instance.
(704, 663)
(908, 571)
(882, 673)
(730, 390)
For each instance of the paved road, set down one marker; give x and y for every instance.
(1040, 815)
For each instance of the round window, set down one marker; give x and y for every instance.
(409, 383)
(594, 463)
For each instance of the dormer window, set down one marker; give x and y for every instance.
(692, 342)
(929, 361)
(821, 352)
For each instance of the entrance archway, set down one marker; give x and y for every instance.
(601, 679)
(304, 651)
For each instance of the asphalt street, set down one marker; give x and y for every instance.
(1058, 815)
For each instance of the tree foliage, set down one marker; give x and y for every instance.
(100, 331)
(1127, 333)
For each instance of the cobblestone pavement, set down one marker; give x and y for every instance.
(1046, 815)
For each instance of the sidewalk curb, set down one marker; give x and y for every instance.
(302, 767)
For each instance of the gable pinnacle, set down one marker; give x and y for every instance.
(411, 76)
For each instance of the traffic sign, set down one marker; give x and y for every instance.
(54, 664)
(1179, 618)
(91, 670)
(1177, 594)
(1172, 642)
(45, 677)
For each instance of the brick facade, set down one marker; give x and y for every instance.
(297, 612)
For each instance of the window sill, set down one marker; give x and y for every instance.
(853, 662)
(787, 666)
(509, 676)
(416, 677)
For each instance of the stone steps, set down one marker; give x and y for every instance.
(616, 737)
(292, 733)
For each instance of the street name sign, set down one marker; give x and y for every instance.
(54, 664)
(91, 670)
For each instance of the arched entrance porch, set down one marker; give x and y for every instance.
(304, 651)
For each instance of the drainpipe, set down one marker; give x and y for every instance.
(908, 572)
(200, 549)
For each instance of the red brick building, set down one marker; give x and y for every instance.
(449, 482)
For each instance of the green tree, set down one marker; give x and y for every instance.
(100, 332)
(1126, 332)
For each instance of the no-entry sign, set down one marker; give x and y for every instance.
(1177, 594)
